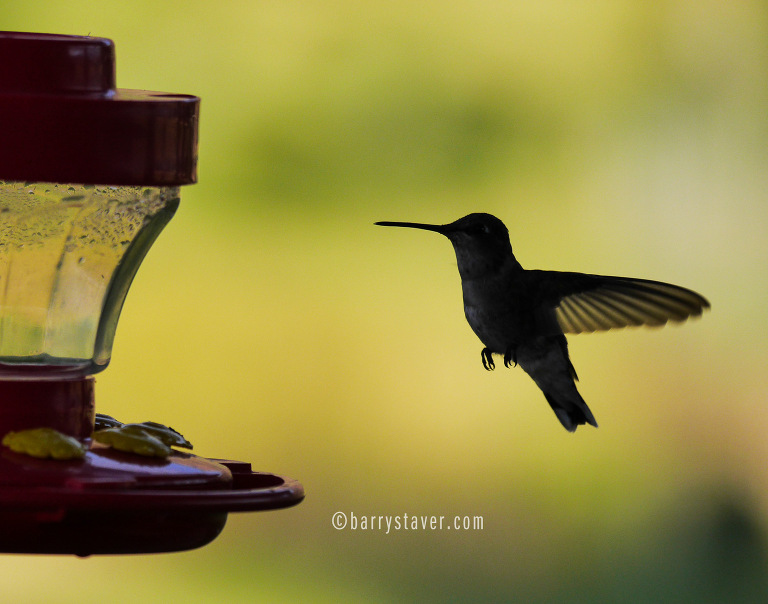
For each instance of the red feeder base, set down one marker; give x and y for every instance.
(112, 502)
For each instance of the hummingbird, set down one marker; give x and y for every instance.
(525, 314)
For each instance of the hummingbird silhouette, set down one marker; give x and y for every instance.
(524, 314)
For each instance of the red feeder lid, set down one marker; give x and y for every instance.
(62, 119)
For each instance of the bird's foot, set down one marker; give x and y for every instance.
(487, 359)
(510, 357)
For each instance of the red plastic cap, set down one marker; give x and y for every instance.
(63, 120)
(51, 64)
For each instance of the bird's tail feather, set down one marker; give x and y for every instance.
(546, 360)
(571, 410)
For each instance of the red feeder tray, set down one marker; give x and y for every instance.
(112, 503)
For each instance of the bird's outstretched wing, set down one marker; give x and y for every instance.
(586, 303)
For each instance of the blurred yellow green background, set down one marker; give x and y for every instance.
(273, 323)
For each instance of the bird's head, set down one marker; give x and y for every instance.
(481, 241)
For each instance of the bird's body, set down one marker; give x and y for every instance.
(502, 314)
(523, 314)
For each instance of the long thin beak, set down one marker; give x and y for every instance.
(437, 228)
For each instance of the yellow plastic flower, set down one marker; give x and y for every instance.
(132, 441)
(44, 443)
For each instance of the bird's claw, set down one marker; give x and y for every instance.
(510, 357)
(487, 359)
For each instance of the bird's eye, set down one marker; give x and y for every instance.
(479, 229)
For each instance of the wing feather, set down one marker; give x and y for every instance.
(587, 303)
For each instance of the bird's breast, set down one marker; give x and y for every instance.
(491, 311)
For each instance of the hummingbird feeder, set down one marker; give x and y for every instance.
(89, 176)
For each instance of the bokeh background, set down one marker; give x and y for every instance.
(272, 322)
